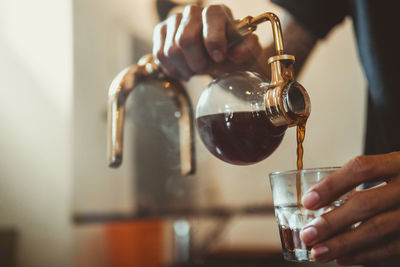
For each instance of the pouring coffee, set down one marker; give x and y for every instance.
(242, 117)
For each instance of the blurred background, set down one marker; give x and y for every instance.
(60, 205)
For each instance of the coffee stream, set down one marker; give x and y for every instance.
(301, 131)
(290, 237)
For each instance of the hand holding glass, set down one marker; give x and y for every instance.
(288, 188)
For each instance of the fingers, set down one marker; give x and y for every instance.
(159, 39)
(195, 42)
(378, 208)
(176, 59)
(189, 39)
(359, 170)
(188, 43)
(215, 19)
(361, 206)
(371, 233)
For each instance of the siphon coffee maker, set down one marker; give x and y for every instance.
(241, 117)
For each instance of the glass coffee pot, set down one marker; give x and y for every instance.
(242, 117)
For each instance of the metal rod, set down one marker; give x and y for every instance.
(249, 24)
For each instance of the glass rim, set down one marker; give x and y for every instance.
(307, 170)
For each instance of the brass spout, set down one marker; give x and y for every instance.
(287, 103)
(120, 89)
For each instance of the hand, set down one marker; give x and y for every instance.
(378, 236)
(195, 42)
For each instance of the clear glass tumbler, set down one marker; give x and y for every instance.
(288, 188)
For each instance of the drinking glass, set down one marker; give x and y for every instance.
(288, 188)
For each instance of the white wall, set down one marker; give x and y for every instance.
(35, 137)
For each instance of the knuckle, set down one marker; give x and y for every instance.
(342, 245)
(378, 226)
(186, 39)
(361, 204)
(216, 10)
(226, 11)
(385, 225)
(213, 9)
(361, 165)
(171, 51)
(192, 10)
(326, 223)
(252, 44)
(365, 204)
(160, 54)
(328, 184)
(327, 188)
(213, 43)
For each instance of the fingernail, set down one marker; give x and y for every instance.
(310, 199)
(319, 252)
(308, 234)
(217, 56)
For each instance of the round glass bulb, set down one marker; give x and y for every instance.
(232, 122)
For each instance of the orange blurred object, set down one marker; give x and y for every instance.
(139, 243)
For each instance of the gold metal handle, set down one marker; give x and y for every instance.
(249, 24)
(120, 89)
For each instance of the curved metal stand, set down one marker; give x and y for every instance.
(122, 86)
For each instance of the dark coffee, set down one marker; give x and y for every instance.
(240, 138)
(290, 239)
(301, 131)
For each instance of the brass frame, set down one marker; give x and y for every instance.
(122, 86)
